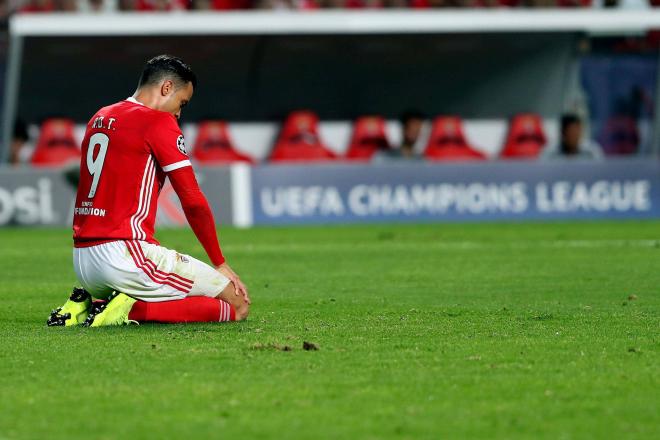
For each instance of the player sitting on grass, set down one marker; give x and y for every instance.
(129, 149)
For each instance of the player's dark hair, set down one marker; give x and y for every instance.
(167, 66)
(569, 119)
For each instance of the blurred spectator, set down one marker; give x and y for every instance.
(97, 5)
(572, 144)
(574, 3)
(622, 4)
(274, 4)
(331, 4)
(21, 148)
(127, 5)
(412, 123)
(66, 5)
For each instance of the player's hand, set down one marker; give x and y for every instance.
(239, 287)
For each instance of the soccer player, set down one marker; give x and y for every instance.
(128, 150)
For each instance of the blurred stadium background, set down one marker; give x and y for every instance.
(410, 111)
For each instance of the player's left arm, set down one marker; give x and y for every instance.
(200, 217)
(197, 211)
(167, 144)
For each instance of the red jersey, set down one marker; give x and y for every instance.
(127, 151)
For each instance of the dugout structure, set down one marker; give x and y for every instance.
(260, 65)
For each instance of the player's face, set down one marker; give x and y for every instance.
(177, 99)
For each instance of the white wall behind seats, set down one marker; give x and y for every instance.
(257, 139)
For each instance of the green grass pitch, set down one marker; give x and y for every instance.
(547, 330)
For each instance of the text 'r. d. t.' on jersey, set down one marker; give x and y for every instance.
(126, 152)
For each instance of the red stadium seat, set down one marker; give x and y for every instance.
(526, 137)
(368, 138)
(448, 142)
(214, 145)
(299, 140)
(226, 5)
(57, 144)
(37, 6)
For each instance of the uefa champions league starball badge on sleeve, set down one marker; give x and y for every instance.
(181, 144)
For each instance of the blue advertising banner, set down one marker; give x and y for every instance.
(422, 192)
(621, 90)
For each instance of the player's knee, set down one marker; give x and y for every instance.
(241, 311)
(238, 303)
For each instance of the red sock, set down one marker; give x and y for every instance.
(190, 309)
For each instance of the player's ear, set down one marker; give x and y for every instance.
(167, 87)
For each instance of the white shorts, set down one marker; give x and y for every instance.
(144, 271)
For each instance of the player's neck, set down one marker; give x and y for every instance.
(147, 98)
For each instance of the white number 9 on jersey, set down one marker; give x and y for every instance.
(96, 166)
